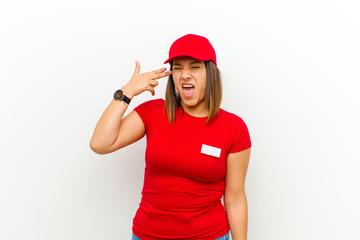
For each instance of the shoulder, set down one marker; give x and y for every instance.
(239, 131)
(150, 106)
(230, 117)
(151, 103)
(232, 122)
(150, 110)
(157, 101)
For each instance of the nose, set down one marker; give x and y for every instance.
(185, 74)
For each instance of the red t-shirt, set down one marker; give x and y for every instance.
(183, 187)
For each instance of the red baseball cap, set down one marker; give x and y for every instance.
(193, 46)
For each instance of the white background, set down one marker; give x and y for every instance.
(291, 70)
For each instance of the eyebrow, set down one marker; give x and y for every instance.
(177, 64)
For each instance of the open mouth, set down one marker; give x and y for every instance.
(188, 90)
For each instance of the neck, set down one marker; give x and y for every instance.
(199, 110)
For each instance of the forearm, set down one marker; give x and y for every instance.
(107, 128)
(238, 219)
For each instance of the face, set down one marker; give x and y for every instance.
(189, 76)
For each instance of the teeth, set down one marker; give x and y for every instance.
(187, 86)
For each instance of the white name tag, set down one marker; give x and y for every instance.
(209, 150)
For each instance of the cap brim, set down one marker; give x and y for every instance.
(189, 55)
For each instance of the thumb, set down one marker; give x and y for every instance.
(137, 67)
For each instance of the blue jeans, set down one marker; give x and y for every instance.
(225, 237)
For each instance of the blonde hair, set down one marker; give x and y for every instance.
(213, 93)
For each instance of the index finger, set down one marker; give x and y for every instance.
(161, 75)
(154, 74)
(160, 70)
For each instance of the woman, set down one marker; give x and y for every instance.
(196, 152)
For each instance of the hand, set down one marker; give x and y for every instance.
(143, 82)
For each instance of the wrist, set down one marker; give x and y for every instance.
(127, 92)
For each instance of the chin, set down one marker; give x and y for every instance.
(190, 102)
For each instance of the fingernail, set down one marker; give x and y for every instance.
(164, 68)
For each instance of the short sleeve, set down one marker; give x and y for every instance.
(241, 138)
(146, 110)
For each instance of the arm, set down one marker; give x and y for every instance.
(235, 197)
(112, 131)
